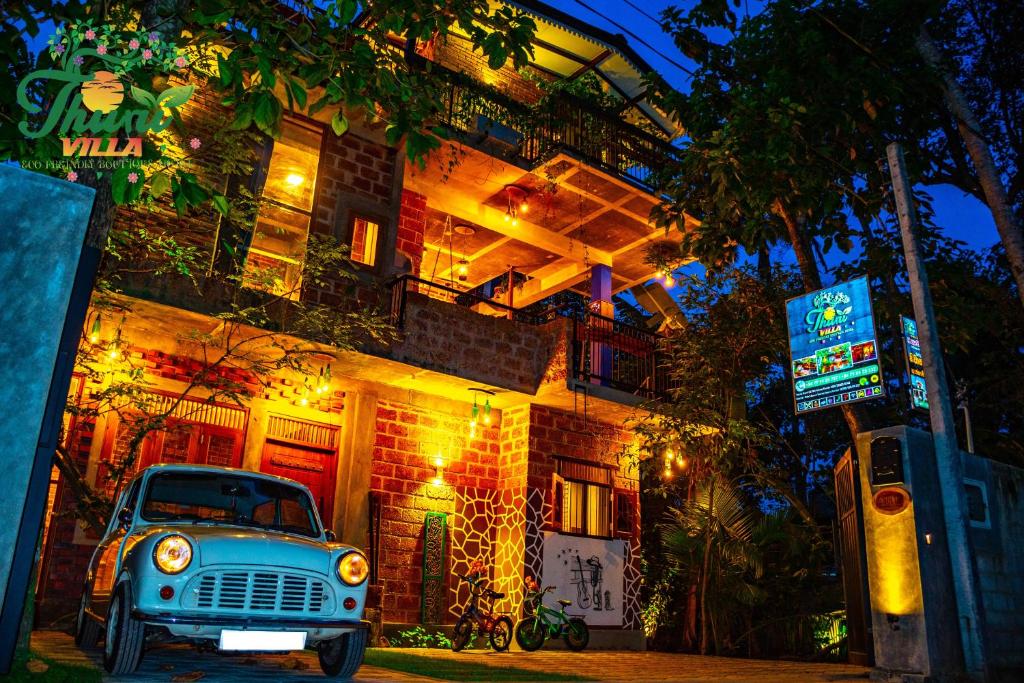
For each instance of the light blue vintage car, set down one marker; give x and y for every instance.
(225, 558)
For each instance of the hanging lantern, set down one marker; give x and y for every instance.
(94, 333)
(462, 270)
(487, 412)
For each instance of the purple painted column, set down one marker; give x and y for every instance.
(601, 328)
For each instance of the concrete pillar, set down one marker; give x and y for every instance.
(913, 610)
(601, 303)
(47, 274)
(355, 458)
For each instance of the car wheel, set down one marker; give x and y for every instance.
(530, 633)
(122, 650)
(501, 636)
(341, 657)
(87, 631)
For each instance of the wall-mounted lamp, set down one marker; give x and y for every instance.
(323, 384)
(474, 415)
(94, 332)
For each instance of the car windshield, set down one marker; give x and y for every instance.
(218, 498)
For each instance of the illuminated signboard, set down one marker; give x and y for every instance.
(915, 363)
(832, 347)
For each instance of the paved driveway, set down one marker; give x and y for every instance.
(165, 664)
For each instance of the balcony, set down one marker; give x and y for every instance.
(534, 134)
(475, 338)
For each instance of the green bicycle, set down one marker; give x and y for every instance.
(542, 622)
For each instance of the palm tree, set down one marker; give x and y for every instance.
(714, 536)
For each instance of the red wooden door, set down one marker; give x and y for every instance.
(312, 467)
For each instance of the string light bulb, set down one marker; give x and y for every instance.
(670, 281)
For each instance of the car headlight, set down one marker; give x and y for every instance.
(352, 568)
(173, 554)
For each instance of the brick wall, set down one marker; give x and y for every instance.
(412, 223)
(350, 165)
(457, 54)
(401, 473)
(458, 341)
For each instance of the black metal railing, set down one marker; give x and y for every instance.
(619, 355)
(405, 285)
(535, 133)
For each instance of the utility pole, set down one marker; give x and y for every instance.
(947, 451)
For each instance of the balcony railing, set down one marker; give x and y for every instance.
(603, 351)
(616, 354)
(563, 123)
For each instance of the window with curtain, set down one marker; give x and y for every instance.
(586, 508)
(278, 246)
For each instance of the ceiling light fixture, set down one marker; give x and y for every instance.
(518, 202)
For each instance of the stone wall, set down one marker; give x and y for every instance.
(1001, 562)
(459, 341)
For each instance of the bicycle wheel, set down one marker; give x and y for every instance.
(501, 634)
(576, 634)
(530, 633)
(463, 633)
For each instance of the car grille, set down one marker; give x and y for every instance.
(258, 591)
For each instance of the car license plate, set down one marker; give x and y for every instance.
(264, 641)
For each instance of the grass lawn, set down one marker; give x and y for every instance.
(55, 673)
(454, 670)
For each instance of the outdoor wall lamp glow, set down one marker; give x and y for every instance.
(438, 471)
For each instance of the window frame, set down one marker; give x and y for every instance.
(258, 185)
(351, 206)
(584, 530)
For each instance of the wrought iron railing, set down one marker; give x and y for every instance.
(616, 354)
(603, 350)
(535, 133)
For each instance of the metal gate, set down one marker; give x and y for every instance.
(860, 642)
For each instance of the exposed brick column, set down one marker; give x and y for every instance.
(412, 223)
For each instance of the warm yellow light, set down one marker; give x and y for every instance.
(508, 216)
(94, 338)
(436, 481)
(294, 179)
(515, 221)
(438, 461)
(524, 207)
(669, 281)
(353, 568)
(114, 354)
(668, 472)
(472, 428)
(173, 554)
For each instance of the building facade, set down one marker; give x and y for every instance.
(492, 427)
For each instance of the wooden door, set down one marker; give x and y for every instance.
(313, 468)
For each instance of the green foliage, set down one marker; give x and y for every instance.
(245, 51)
(417, 636)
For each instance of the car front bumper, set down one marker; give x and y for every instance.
(207, 626)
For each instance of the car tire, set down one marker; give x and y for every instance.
(87, 631)
(125, 635)
(341, 657)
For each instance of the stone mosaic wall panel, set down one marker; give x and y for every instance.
(434, 570)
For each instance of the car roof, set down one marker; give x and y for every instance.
(180, 467)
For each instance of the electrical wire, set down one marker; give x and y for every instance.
(637, 38)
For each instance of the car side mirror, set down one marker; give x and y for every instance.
(331, 536)
(124, 518)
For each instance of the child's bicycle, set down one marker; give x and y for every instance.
(542, 622)
(497, 627)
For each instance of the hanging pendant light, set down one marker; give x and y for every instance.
(94, 333)
(462, 270)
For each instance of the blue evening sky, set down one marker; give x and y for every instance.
(961, 216)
